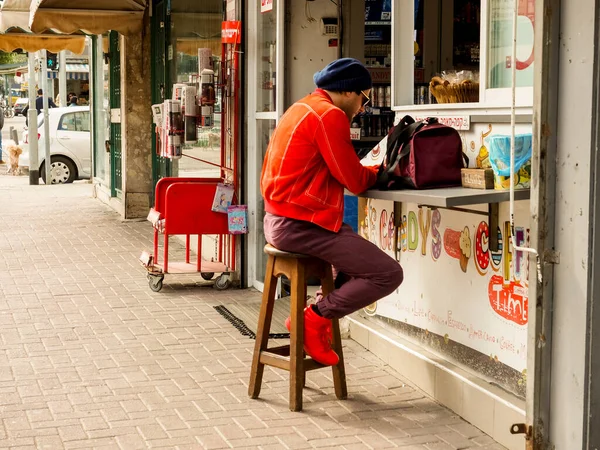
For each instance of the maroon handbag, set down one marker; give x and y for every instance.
(422, 155)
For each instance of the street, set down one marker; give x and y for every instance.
(18, 122)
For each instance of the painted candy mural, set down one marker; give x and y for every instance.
(455, 285)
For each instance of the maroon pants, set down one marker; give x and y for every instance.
(368, 273)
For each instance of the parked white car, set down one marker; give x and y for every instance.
(70, 149)
(20, 105)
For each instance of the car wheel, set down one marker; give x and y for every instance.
(63, 170)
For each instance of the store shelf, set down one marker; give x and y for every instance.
(369, 139)
(446, 197)
(379, 111)
(455, 198)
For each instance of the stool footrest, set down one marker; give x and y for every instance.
(283, 350)
(283, 361)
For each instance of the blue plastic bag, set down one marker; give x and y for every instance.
(500, 152)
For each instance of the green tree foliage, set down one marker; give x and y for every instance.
(12, 58)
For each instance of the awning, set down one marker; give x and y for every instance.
(15, 14)
(15, 32)
(90, 16)
(75, 71)
(32, 43)
(10, 69)
(78, 72)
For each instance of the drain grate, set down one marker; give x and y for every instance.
(242, 327)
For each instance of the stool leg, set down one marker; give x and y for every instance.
(264, 326)
(297, 373)
(339, 371)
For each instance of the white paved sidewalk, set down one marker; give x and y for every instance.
(91, 358)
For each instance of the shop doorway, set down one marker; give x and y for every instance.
(283, 55)
(265, 106)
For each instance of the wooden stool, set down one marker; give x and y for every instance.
(298, 268)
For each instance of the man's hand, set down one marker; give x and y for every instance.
(374, 169)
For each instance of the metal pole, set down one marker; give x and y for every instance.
(592, 396)
(44, 83)
(34, 164)
(62, 78)
(543, 206)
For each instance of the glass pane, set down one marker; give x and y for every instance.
(447, 38)
(500, 43)
(101, 108)
(67, 122)
(264, 130)
(266, 58)
(196, 40)
(83, 123)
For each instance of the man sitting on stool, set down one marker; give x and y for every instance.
(309, 161)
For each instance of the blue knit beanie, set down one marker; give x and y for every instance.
(344, 75)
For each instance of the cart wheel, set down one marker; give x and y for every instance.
(155, 282)
(222, 282)
(207, 275)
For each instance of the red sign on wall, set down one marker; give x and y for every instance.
(266, 5)
(231, 32)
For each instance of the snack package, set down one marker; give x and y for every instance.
(237, 219)
(223, 198)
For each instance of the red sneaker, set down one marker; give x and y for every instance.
(317, 337)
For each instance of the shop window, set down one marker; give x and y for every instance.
(378, 117)
(500, 44)
(447, 40)
(267, 58)
(194, 57)
(462, 51)
(499, 64)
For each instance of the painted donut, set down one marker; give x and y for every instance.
(482, 254)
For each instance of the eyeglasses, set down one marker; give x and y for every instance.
(366, 99)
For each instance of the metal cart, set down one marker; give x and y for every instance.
(183, 207)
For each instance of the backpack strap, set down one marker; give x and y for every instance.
(399, 148)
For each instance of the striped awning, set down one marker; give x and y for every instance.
(78, 71)
(75, 71)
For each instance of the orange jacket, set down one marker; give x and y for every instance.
(309, 161)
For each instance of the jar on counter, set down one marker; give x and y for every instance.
(388, 96)
(374, 96)
(380, 96)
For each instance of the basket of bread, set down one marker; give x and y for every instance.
(455, 87)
